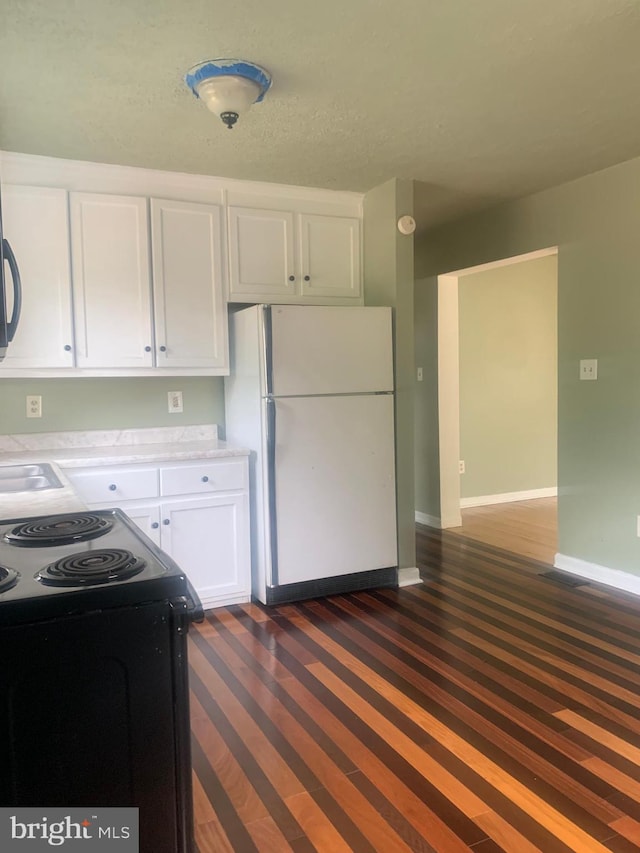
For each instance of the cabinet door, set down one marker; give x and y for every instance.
(145, 515)
(35, 221)
(111, 281)
(147, 518)
(189, 302)
(261, 254)
(209, 539)
(330, 253)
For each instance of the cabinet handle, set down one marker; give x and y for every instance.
(166, 521)
(205, 479)
(163, 349)
(147, 349)
(9, 257)
(155, 525)
(292, 278)
(307, 278)
(112, 487)
(67, 347)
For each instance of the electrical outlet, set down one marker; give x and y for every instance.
(588, 368)
(461, 466)
(34, 406)
(419, 374)
(175, 401)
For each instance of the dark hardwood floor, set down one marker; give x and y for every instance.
(489, 708)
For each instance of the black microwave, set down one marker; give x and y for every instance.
(10, 292)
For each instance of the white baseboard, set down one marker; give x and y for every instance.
(601, 574)
(429, 520)
(507, 497)
(409, 576)
(454, 520)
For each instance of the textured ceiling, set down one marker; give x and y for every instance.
(478, 100)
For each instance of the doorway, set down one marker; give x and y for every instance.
(489, 502)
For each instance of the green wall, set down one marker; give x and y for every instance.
(82, 404)
(508, 378)
(595, 222)
(427, 449)
(389, 280)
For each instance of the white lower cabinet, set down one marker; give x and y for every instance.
(208, 538)
(206, 530)
(146, 516)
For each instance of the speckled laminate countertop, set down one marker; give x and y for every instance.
(97, 447)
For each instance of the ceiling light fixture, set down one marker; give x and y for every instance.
(228, 87)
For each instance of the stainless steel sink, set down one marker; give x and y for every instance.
(28, 478)
(9, 472)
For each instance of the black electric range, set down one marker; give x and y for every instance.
(93, 672)
(53, 566)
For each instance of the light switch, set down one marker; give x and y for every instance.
(588, 368)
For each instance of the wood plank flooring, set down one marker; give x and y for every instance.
(529, 527)
(487, 709)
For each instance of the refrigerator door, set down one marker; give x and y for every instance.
(333, 487)
(328, 350)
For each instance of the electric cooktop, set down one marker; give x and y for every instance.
(57, 565)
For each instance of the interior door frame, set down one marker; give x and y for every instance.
(449, 382)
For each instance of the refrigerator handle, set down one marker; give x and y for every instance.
(271, 479)
(268, 347)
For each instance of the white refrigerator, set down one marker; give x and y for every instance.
(311, 395)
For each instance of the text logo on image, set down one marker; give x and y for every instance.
(31, 830)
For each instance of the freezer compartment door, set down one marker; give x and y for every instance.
(330, 350)
(334, 478)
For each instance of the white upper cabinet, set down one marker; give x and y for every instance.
(120, 279)
(147, 293)
(36, 223)
(281, 256)
(330, 254)
(261, 253)
(111, 281)
(188, 292)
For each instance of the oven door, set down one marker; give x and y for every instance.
(98, 709)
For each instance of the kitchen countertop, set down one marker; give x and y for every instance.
(83, 457)
(95, 448)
